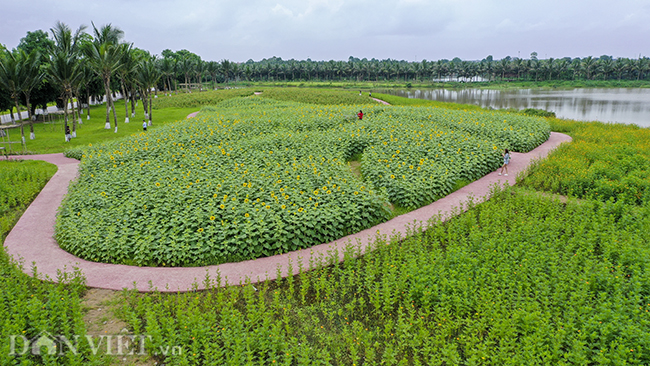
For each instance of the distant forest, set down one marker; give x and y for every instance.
(533, 69)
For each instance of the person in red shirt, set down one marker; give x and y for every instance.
(360, 114)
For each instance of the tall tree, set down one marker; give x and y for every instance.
(19, 74)
(148, 75)
(588, 66)
(32, 76)
(64, 67)
(44, 92)
(186, 67)
(104, 57)
(225, 69)
(125, 73)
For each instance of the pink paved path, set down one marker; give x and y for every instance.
(31, 240)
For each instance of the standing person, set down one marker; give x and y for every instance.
(506, 161)
(144, 125)
(68, 136)
(370, 94)
(360, 114)
(359, 92)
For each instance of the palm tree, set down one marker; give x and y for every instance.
(186, 66)
(199, 71)
(87, 76)
(225, 69)
(104, 57)
(606, 66)
(62, 70)
(561, 67)
(31, 76)
(147, 75)
(167, 66)
(11, 79)
(64, 67)
(502, 67)
(588, 65)
(549, 67)
(620, 66)
(640, 66)
(129, 62)
(20, 74)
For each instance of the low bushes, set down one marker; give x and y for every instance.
(28, 306)
(518, 280)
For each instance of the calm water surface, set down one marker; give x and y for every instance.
(625, 105)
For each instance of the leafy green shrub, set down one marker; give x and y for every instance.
(74, 153)
(20, 182)
(28, 305)
(537, 112)
(518, 280)
(604, 162)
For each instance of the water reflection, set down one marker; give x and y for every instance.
(626, 105)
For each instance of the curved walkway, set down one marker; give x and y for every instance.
(32, 241)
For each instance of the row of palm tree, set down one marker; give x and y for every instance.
(190, 69)
(19, 74)
(604, 68)
(73, 61)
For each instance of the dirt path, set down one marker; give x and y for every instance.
(32, 241)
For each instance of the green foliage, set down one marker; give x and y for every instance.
(20, 182)
(29, 306)
(418, 154)
(317, 96)
(199, 99)
(537, 112)
(518, 280)
(604, 162)
(254, 177)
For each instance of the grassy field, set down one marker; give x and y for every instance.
(50, 137)
(527, 278)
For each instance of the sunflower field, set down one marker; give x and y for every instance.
(253, 177)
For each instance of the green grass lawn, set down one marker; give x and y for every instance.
(50, 137)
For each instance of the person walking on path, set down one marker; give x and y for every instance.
(360, 114)
(68, 136)
(144, 125)
(506, 161)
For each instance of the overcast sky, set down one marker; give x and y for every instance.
(239, 30)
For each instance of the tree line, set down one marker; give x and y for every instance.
(83, 65)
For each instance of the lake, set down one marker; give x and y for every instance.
(624, 105)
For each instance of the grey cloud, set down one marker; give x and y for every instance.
(336, 29)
